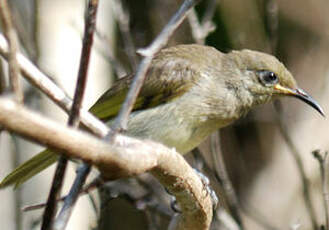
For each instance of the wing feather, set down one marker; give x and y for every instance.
(165, 81)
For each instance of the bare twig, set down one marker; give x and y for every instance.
(65, 213)
(88, 38)
(72, 197)
(209, 11)
(11, 36)
(201, 30)
(88, 188)
(227, 220)
(51, 205)
(300, 166)
(3, 82)
(102, 46)
(224, 179)
(323, 163)
(125, 157)
(123, 19)
(15, 152)
(148, 53)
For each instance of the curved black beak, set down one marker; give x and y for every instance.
(302, 95)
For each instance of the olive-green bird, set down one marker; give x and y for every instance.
(189, 92)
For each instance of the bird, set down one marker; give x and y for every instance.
(189, 92)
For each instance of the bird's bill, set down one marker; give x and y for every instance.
(302, 95)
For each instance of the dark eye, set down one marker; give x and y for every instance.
(267, 77)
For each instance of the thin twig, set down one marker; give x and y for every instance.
(226, 219)
(71, 198)
(201, 30)
(88, 38)
(51, 205)
(323, 163)
(159, 42)
(88, 188)
(222, 175)
(61, 221)
(123, 19)
(3, 82)
(73, 116)
(16, 151)
(11, 36)
(209, 12)
(102, 46)
(300, 166)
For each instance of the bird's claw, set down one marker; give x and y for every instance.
(206, 186)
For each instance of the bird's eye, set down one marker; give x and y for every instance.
(268, 78)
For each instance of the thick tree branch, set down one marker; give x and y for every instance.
(125, 157)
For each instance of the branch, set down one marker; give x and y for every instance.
(201, 30)
(224, 179)
(50, 211)
(323, 164)
(125, 157)
(74, 117)
(96, 183)
(123, 19)
(12, 40)
(300, 166)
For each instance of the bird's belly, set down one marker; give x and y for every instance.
(176, 135)
(192, 139)
(166, 128)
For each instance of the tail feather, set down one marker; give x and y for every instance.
(29, 168)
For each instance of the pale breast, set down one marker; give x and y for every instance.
(170, 126)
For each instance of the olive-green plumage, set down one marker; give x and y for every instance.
(189, 92)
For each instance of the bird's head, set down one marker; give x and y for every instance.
(266, 78)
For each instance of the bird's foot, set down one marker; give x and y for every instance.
(206, 186)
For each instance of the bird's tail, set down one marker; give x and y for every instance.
(30, 168)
